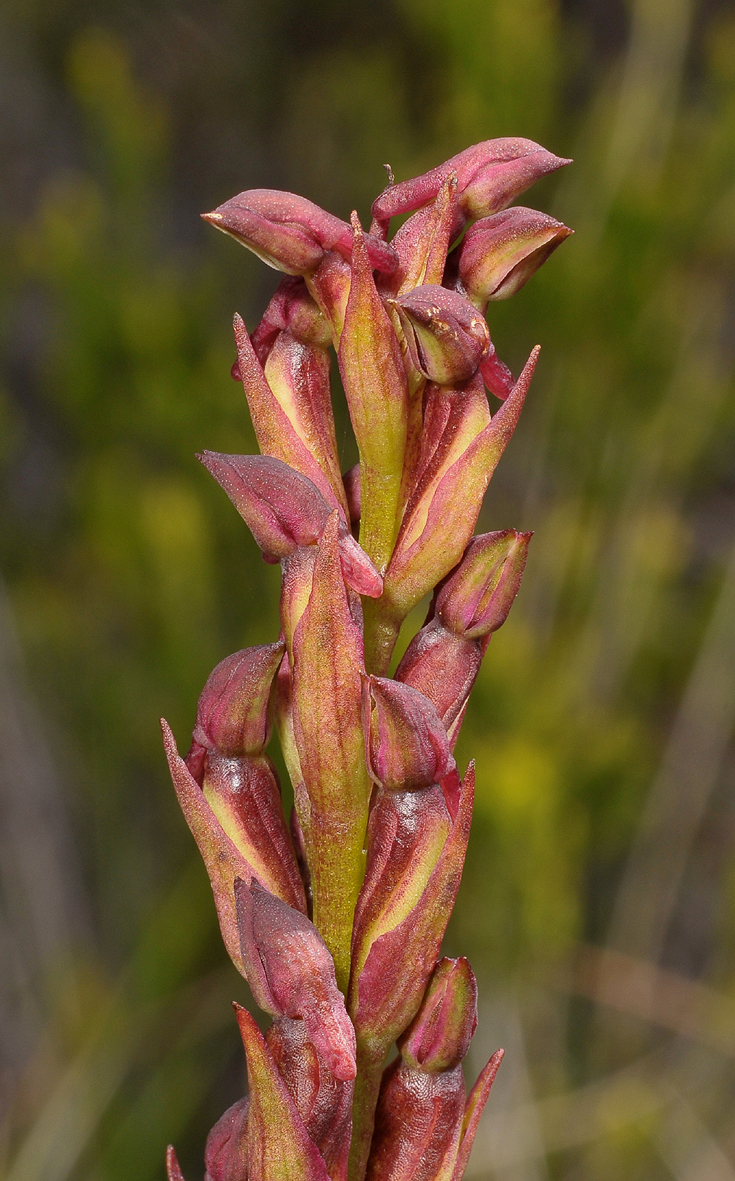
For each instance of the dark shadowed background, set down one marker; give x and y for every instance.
(597, 905)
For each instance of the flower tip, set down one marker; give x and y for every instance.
(173, 1168)
(169, 742)
(214, 218)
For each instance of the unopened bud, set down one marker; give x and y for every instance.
(285, 510)
(290, 233)
(225, 1156)
(282, 508)
(476, 598)
(418, 1125)
(323, 1101)
(406, 744)
(291, 973)
(489, 176)
(233, 714)
(446, 336)
(439, 1035)
(293, 310)
(500, 253)
(443, 666)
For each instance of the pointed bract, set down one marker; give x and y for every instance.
(403, 940)
(395, 950)
(375, 383)
(437, 528)
(478, 1097)
(245, 797)
(422, 243)
(283, 437)
(298, 375)
(327, 721)
(224, 862)
(173, 1169)
(406, 836)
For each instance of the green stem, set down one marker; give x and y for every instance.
(381, 627)
(367, 1087)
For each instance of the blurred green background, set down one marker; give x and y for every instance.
(597, 905)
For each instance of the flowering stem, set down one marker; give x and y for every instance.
(336, 917)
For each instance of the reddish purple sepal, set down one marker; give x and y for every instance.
(447, 337)
(291, 233)
(324, 1102)
(489, 175)
(291, 974)
(406, 743)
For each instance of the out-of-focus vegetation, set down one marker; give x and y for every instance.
(597, 905)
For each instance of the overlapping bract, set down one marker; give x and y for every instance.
(336, 916)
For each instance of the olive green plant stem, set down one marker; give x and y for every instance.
(367, 1088)
(382, 623)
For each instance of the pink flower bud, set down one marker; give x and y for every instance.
(440, 1034)
(406, 744)
(418, 1124)
(290, 233)
(225, 1156)
(233, 714)
(324, 1102)
(415, 857)
(500, 253)
(424, 1130)
(293, 310)
(278, 1143)
(284, 511)
(329, 284)
(489, 176)
(443, 666)
(475, 600)
(282, 508)
(291, 974)
(446, 336)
